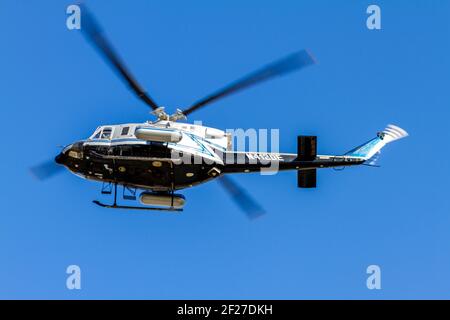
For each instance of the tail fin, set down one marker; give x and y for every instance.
(370, 149)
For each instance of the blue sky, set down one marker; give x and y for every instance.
(312, 243)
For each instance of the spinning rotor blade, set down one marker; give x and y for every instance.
(251, 208)
(46, 170)
(95, 35)
(288, 64)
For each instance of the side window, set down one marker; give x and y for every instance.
(125, 131)
(106, 133)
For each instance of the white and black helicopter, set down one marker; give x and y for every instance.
(164, 156)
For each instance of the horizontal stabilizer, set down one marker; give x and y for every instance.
(306, 148)
(307, 178)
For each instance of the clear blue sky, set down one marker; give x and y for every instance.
(55, 89)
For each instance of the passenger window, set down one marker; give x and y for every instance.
(125, 131)
(106, 133)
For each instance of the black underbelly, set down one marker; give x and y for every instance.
(142, 167)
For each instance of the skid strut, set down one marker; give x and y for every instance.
(116, 206)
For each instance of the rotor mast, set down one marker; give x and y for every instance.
(162, 115)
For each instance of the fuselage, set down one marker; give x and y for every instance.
(168, 155)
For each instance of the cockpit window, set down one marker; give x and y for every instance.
(97, 135)
(106, 133)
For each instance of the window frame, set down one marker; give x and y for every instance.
(110, 129)
(127, 133)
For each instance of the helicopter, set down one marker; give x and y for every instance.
(161, 157)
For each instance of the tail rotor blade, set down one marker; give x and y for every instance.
(247, 204)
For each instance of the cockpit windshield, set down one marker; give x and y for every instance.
(102, 133)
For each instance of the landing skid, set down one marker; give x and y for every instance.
(116, 206)
(108, 190)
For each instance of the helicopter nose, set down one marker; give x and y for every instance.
(59, 159)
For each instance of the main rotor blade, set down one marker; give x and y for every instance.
(281, 67)
(247, 204)
(46, 170)
(91, 29)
